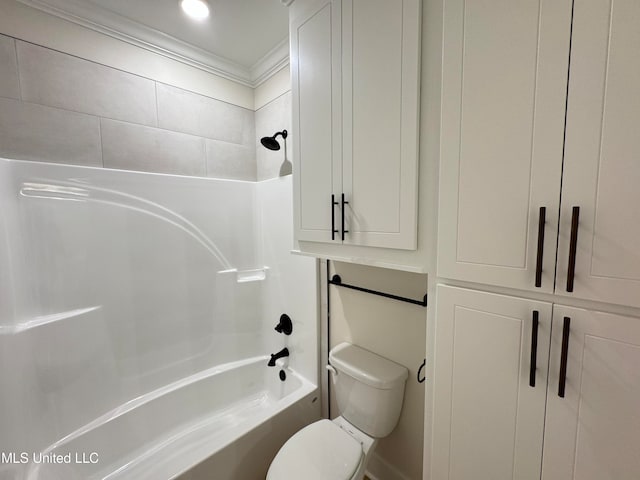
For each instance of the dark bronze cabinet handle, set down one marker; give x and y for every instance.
(541, 222)
(534, 349)
(333, 217)
(573, 245)
(344, 202)
(563, 357)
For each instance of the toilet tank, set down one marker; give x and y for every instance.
(369, 389)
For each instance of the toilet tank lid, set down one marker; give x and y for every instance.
(367, 367)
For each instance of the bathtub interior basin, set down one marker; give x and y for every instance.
(168, 431)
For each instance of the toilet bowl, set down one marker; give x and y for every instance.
(321, 451)
(369, 392)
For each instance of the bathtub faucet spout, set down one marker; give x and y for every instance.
(282, 353)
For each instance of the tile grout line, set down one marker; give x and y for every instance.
(102, 117)
(193, 92)
(101, 142)
(129, 122)
(271, 101)
(206, 159)
(155, 89)
(78, 112)
(100, 131)
(15, 51)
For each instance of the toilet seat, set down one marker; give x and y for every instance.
(320, 451)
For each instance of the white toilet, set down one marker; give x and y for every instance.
(369, 390)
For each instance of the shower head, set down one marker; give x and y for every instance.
(271, 143)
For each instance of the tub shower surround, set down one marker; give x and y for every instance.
(59, 108)
(133, 323)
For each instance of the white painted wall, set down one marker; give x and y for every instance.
(394, 330)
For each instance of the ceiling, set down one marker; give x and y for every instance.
(242, 39)
(240, 30)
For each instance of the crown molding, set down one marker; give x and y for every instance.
(142, 36)
(275, 60)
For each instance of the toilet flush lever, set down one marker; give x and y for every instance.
(332, 369)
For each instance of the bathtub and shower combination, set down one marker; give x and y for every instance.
(137, 316)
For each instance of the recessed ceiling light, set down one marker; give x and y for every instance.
(198, 9)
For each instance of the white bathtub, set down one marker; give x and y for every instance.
(167, 432)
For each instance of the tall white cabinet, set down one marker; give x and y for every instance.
(355, 84)
(602, 155)
(540, 166)
(505, 99)
(593, 431)
(503, 90)
(490, 385)
(505, 387)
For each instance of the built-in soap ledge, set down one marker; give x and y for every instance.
(250, 275)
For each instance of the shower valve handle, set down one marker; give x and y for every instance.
(285, 326)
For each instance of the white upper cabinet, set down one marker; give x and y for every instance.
(355, 74)
(505, 97)
(503, 104)
(315, 70)
(602, 156)
(592, 431)
(380, 70)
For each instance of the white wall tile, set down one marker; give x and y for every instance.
(272, 118)
(274, 87)
(34, 132)
(135, 147)
(59, 80)
(188, 112)
(9, 84)
(52, 79)
(19, 19)
(229, 160)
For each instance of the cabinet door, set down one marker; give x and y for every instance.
(503, 104)
(381, 63)
(488, 420)
(315, 77)
(602, 155)
(593, 432)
